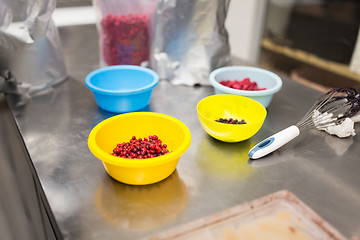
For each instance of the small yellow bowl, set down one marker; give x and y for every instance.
(118, 129)
(228, 106)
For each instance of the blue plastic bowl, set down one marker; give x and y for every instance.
(122, 88)
(264, 79)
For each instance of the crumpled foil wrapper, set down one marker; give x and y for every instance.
(189, 40)
(30, 46)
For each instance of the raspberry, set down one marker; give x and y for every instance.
(244, 84)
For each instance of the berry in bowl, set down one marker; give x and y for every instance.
(139, 148)
(252, 82)
(230, 118)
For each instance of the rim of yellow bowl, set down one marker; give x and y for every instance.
(125, 162)
(233, 96)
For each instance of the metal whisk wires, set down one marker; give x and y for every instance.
(331, 109)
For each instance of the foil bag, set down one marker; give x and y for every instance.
(31, 57)
(190, 40)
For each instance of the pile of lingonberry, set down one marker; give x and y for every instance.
(244, 84)
(125, 39)
(141, 148)
(230, 121)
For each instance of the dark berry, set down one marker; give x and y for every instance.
(230, 121)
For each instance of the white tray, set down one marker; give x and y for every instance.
(277, 216)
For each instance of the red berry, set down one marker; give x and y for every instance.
(244, 84)
(116, 150)
(139, 149)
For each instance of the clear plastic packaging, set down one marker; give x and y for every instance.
(125, 30)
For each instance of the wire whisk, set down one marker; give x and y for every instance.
(330, 109)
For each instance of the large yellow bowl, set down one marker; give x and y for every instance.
(118, 129)
(214, 107)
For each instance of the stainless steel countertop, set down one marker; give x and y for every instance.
(322, 170)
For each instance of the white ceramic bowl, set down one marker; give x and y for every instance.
(264, 79)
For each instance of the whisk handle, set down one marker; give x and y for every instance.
(274, 142)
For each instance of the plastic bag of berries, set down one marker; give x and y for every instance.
(124, 30)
